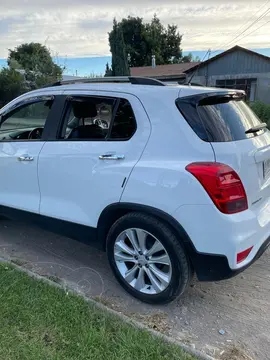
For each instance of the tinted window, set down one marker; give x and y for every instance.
(98, 118)
(88, 118)
(219, 120)
(124, 124)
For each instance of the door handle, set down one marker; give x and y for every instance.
(25, 158)
(111, 157)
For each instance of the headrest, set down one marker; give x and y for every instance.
(84, 109)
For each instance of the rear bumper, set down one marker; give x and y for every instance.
(211, 267)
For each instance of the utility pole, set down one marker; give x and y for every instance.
(207, 74)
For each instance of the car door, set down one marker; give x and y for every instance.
(21, 140)
(85, 169)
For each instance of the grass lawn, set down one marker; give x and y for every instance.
(38, 321)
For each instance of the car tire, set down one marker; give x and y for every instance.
(174, 274)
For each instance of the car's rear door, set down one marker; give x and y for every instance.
(23, 128)
(224, 120)
(86, 167)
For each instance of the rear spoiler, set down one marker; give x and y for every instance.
(213, 97)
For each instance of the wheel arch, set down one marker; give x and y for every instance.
(114, 211)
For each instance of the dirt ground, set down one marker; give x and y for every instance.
(228, 320)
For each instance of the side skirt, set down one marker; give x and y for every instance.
(82, 233)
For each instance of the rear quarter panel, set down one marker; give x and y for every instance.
(159, 179)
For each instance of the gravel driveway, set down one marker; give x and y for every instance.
(228, 320)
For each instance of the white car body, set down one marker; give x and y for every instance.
(68, 182)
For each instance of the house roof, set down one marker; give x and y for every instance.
(235, 48)
(162, 70)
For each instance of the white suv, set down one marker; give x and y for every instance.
(167, 179)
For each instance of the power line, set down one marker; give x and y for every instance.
(241, 27)
(263, 5)
(253, 31)
(196, 70)
(253, 23)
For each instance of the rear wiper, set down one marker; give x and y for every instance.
(256, 128)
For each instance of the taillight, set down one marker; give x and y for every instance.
(222, 184)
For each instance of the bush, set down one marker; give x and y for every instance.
(262, 111)
(12, 84)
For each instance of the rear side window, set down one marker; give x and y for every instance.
(96, 118)
(219, 119)
(124, 124)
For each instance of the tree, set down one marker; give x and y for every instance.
(36, 61)
(172, 52)
(142, 40)
(118, 50)
(190, 58)
(135, 39)
(187, 58)
(108, 70)
(196, 59)
(12, 84)
(155, 37)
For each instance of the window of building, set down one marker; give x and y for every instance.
(248, 85)
(93, 118)
(25, 122)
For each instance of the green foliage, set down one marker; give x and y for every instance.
(164, 42)
(187, 58)
(155, 37)
(196, 59)
(108, 70)
(142, 40)
(135, 40)
(30, 67)
(118, 50)
(262, 111)
(94, 75)
(35, 59)
(11, 85)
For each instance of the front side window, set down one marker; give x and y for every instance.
(93, 118)
(25, 122)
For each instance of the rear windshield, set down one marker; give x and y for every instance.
(217, 119)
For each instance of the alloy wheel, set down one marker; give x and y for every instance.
(142, 261)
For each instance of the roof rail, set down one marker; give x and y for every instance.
(135, 80)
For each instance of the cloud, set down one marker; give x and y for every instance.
(80, 28)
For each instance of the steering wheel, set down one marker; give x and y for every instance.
(101, 123)
(35, 133)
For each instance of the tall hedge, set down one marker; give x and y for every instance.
(262, 111)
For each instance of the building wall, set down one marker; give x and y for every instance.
(262, 87)
(236, 62)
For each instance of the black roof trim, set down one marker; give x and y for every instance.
(135, 80)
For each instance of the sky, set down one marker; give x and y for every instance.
(77, 31)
